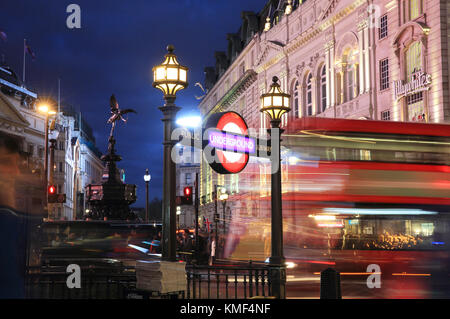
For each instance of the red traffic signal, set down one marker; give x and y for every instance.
(51, 190)
(187, 198)
(187, 191)
(52, 197)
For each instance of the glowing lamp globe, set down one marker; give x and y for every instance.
(275, 103)
(170, 77)
(147, 176)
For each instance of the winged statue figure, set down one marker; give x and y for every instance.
(116, 114)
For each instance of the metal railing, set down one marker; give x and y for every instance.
(96, 283)
(227, 282)
(203, 282)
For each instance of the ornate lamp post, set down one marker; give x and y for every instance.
(274, 104)
(147, 178)
(169, 77)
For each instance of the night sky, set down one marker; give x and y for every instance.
(114, 51)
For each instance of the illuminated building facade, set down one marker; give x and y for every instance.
(21, 145)
(375, 60)
(188, 165)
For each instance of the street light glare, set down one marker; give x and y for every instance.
(189, 121)
(45, 109)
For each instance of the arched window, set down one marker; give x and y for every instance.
(308, 96)
(348, 77)
(350, 82)
(413, 64)
(296, 104)
(323, 89)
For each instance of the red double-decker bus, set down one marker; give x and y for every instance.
(355, 193)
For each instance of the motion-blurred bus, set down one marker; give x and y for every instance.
(355, 193)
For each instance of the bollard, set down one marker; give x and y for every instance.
(330, 284)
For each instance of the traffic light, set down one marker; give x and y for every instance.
(52, 197)
(52, 189)
(188, 195)
(186, 199)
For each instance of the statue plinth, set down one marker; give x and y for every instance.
(111, 199)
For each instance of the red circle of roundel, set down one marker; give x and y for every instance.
(232, 166)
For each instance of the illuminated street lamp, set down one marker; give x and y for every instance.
(267, 24)
(288, 9)
(147, 178)
(45, 109)
(274, 104)
(170, 77)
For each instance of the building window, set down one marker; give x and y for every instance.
(242, 69)
(415, 9)
(296, 115)
(414, 102)
(350, 82)
(31, 149)
(323, 89)
(188, 178)
(61, 167)
(308, 95)
(413, 59)
(383, 31)
(347, 78)
(384, 74)
(386, 115)
(41, 152)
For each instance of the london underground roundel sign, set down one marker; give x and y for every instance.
(227, 145)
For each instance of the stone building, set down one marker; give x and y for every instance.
(354, 59)
(187, 167)
(21, 146)
(22, 153)
(77, 163)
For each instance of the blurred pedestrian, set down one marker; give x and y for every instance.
(212, 255)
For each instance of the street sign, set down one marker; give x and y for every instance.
(228, 146)
(225, 139)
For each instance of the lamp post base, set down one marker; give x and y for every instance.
(277, 276)
(169, 231)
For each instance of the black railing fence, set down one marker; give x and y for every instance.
(96, 283)
(227, 282)
(203, 282)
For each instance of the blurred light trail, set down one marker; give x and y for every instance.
(331, 225)
(368, 211)
(141, 249)
(355, 273)
(323, 217)
(407, 274)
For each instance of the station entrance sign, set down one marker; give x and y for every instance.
(227, 143)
